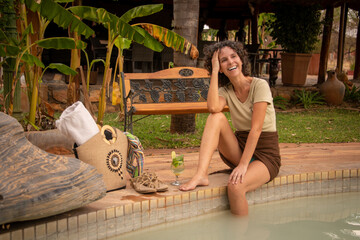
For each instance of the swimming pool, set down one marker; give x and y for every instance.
(184, 207)
(333, 216)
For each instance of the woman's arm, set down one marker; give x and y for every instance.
(215, 103)
(259, 112)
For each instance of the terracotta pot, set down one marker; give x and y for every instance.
(294, 68)
(314, 64)
(332, 89)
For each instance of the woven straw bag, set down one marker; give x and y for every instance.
(108, 156)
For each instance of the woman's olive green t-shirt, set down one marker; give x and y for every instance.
(241, 113)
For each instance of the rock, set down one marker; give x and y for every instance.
(36, 184)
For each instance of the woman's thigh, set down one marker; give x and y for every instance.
(228, 145)
(256, 175)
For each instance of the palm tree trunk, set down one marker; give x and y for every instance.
(186, 23)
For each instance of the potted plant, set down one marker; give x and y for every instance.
(296, 28)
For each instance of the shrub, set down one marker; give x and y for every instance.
(352, 95)
(308, 98)
(281, 102)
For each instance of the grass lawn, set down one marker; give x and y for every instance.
(309, 126)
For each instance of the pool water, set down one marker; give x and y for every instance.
(335, 216)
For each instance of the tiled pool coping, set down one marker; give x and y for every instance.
(110, 222)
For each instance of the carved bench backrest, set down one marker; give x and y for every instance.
(181, 84)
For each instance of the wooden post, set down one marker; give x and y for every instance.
(248, 33)
(342, 30)
(254, 27)
(357, 54)
(325, 44)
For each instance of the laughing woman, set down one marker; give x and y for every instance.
(253, 150)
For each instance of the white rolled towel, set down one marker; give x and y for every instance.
(77, 123)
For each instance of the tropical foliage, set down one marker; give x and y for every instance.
(24, 50)
(308, 98)
(353, 94)
(121, 34)
(296, 28)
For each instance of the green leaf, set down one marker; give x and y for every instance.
(59, 15)
(30, 59)
(81, 44)
(57, 43)
(32, 5)
(150, 41)
(122, 43)
(98, 15)
(178, 161)
(11, 50)
(141, 11)
(28, 29)
(2, 51)
(117, 26)
(3, 37)
(63, 68)
(123, 29)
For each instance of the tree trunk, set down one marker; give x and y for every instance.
(324, 53)
(341, 42)
(186, 23)
(357, 54)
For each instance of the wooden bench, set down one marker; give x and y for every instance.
(180, 90)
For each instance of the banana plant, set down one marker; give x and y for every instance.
(28, 52)
(121, 34)
(20, 55)
(50, 10)
(116, 28)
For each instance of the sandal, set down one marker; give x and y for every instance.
(159, 185)
(143, 184)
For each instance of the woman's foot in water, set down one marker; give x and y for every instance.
(197, 180)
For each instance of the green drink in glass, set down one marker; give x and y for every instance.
(177, 166)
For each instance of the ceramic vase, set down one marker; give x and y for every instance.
(332, 89)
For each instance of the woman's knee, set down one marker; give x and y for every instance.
(238, 189)
(217, 118)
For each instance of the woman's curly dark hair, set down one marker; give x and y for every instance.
(237, 47)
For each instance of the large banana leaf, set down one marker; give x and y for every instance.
(171, 39)
(31, 60)
(63, 18)
(62, 68)
(100, 15)
(150, 41)
(141, 11)
(61, 43)
(7, 50)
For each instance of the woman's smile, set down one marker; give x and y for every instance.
(229, 59)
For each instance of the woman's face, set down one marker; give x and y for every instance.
(230, 62)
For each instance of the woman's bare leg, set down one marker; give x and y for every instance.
(217, 133)
(256, 175)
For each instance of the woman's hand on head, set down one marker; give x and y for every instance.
(215, 62)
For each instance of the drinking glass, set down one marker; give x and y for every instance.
(177, 166)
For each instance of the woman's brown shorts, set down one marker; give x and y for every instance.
(267, 151)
